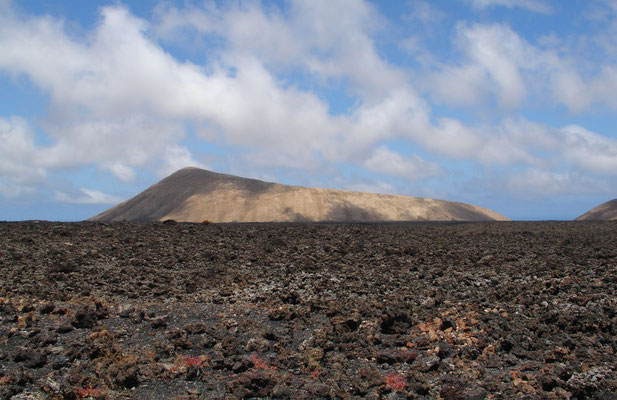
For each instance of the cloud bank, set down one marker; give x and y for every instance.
(120, 98)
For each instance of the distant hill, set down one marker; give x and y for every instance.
(604, 212)
(194, 195)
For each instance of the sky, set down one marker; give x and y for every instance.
(506, 104)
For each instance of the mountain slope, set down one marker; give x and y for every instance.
(604, 212)
(194, 195)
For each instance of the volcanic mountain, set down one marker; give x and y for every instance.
(604, 212)
(196, 195)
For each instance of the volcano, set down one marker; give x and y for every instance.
(604, 212)
(197, 195)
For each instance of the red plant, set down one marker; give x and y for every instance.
(190, 361)
(395, 382)
(259, 362)
(90, 391)
(182, 364)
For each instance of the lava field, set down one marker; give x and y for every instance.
(501, 310)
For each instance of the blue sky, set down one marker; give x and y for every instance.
(507, 104)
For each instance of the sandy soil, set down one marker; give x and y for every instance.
(451, 311)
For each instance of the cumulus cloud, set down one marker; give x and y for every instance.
(589, 151)
(412, 168)
(116, 143)
(120, 171)
(175, 158)
(113, 96)
(575, 161)
(570, 88)
(20, 168)
(329, 40)
(120, 100)
(498, 63)
(495, 59)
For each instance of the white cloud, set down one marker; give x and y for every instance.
(113, 97)
(497, 61)
(579, 92)
(117, 144)
(122, 172)
(569, 89)
(452, 138)
(119, 79)
(329, 39)
(175, 158)
(580, 161)
(87, 196)
(19, 159)
(459, 85)
(412, 168)
(307, 160)
(531, 5)
(119, 100)
(589, 151)
(495, 57)
(604, 86)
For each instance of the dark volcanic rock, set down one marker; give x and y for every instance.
(85, 318)
(459, 311)
(30, 358)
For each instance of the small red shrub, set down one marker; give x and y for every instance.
(395, 382)
(90, 391)
(259, 362)
(190, 361)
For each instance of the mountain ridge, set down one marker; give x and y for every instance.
(604, 212)
(193, 195)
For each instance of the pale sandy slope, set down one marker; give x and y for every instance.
(195, 195)
(604, 212)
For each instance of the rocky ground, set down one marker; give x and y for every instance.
(165, 310)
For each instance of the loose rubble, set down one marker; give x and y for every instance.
(395, 311)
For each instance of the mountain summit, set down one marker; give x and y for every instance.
(604, 212)
(194, 195)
